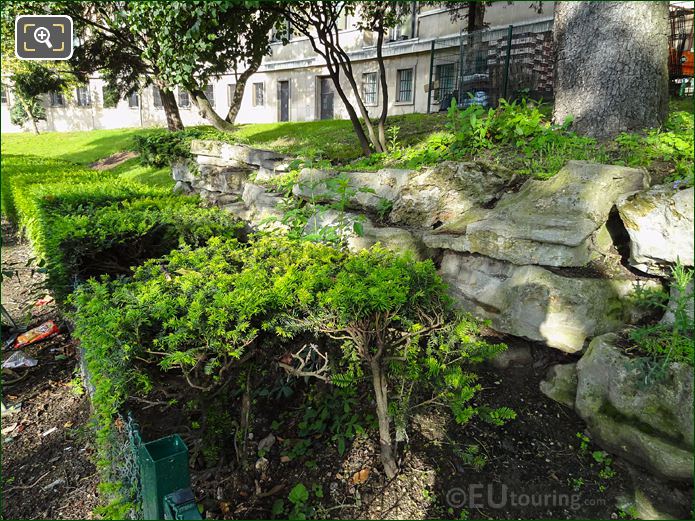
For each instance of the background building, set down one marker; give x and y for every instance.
(292, 83)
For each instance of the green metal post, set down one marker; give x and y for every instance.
(506, 62)
(163, 470)
(429, 90)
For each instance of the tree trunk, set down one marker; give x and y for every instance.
(206, 111)
(476, 16)
(388, 457)
(30, 116)
(611, 71)
(384, 87)
(171, 109)
(239, 92)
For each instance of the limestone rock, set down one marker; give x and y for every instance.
(660, 224)
(557, 222)
(447, 191)
(560, 384)
(368, 189)
(183, 170)
(650, 425)
(535, 303)
(513, 356)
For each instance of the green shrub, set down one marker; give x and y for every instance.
(206, 312)
(161, 147)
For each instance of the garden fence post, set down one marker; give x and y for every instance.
(506, 61)
(429, 85)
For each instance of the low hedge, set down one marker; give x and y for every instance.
(83, 222)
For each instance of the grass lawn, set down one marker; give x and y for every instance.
(335, 139)
(84, 148)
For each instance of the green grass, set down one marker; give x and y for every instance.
(334, 140)
(83, 147)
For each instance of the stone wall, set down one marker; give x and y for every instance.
(554, 261)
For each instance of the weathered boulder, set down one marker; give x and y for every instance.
(183, 170)
(364, 189)
(512, 356)
(660, 224)
(240, 155)
(560, 384)
(557, 222)
(446, 191)
(394, 239)
(258, 207)
(650, 425)
(535, 303)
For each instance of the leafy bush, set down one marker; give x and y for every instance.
(206, 312)
(161, 147)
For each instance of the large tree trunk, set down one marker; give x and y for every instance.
(388, 456)
(206, 111)
(171, 109)
(611, 71)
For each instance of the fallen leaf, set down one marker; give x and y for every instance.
(284, 459)
(360, 477)
(224, 508)
(67, 425)
(9, 428)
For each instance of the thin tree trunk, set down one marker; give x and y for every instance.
(206, 111)
(239, 92)
(354, 118)
(611, 71)
(32, 119)
(171, 109)
(384, 88)
(388, 457)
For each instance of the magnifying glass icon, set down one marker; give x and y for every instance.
(43, 35)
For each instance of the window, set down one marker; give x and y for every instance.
(405, 86)
(156, 98)
(134, 100)
(282, 33)
(184, 99)
(210, 94)
(369, 88)
(57, 99)
(3, 93)
(445, 74)
(231, 89)
(82, 95)
(258, 94)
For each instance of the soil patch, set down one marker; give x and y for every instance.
(114, 160)
(47, 469)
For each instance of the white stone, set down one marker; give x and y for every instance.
(660, 224)
(535, 303)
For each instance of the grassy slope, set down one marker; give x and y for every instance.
(335, 137)
(86, 147)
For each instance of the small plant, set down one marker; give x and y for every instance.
(392, 137)
(472, 457)
(583, 443)
(383, 208)
(605, 462)
(665, 342)
(576, 483)
(298, 498)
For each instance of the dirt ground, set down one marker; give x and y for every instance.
(47, 470)
(533, 467)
